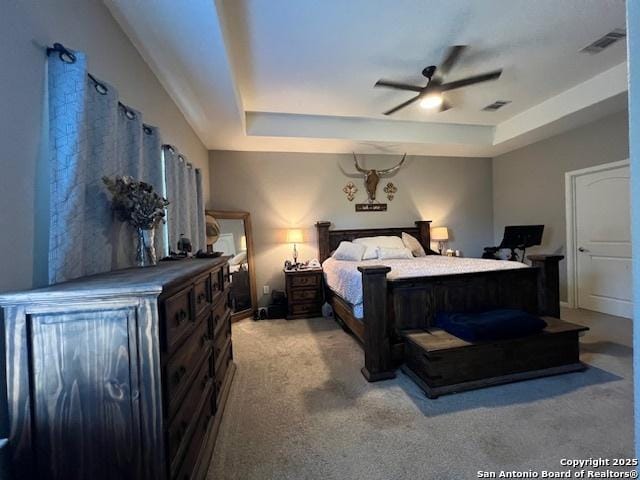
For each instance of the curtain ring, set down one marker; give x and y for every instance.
(100, 87)
(147, 129)
(181, 158)
(130, 114)
(64, 53)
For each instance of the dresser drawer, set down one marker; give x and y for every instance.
(226, 276)
(217, 284)
(182, 367)
(202, 294)
(178, 319)
(302, 295)
(182, 426)
(203, 419)
(219, 312)
(222, 365)
(312, 280)
(223, 333)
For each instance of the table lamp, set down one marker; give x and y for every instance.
(294, 236)
(440, 235)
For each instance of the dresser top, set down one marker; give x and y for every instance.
(126, 282)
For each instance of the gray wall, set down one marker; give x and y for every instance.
(28, 26)
(529, 184)
(294, 190)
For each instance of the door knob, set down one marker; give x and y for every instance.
(582, 249)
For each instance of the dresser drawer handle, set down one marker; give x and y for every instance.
(181, 316)
(177, 376)
(202, 297)
(205, 339)
(216, 286)
(205, 380)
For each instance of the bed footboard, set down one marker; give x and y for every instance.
(411, 304)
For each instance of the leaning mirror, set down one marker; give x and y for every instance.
(230, 233)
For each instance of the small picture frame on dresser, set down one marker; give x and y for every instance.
(305, 293)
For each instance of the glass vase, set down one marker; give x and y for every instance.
(146, 249)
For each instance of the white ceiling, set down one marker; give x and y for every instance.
(285, 75)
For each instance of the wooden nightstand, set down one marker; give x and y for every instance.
(304, 293)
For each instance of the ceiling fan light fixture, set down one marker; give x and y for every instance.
(431, 101)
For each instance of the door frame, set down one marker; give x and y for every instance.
(570, 204)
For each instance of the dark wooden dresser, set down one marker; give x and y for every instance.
(121, 375)
(304, 293)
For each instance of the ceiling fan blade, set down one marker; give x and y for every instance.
(451, 58)
(445, 106)
(485, 77)
(398, 86)
(402, 105)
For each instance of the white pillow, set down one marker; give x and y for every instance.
(380, 241)
(238, 259)
(413, 244)
(349, 251)
(385, 253)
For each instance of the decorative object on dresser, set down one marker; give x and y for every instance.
(234, 238)
(305, 293)
(440, 235)
(119, 375)
(137, 204)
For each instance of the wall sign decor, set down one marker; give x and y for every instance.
(390, 189)
(350, 189)
(371, 207)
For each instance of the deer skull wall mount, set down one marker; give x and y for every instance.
(372, 176)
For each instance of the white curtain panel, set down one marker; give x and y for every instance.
(185, 213)
(91, 136)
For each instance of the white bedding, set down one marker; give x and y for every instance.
(344, 278)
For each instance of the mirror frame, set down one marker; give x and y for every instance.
(246, 218)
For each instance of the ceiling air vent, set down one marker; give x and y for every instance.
(605, 41)
(498, 104)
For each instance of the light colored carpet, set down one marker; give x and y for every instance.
(300, 409)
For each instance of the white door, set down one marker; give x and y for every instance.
(603, 228)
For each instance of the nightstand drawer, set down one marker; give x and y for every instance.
(306, 295)
(302, 309)
(312, 280)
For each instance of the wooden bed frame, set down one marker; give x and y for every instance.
(394, 308)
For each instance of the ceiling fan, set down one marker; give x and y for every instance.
(430, 95)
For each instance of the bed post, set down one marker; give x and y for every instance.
(548, 283)
(324, 245)
(377, 345)
(424, 234)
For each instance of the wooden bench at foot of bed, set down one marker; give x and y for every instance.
(441, 363)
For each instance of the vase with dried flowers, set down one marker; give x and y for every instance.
(137, 204)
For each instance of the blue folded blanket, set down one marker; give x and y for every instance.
(491, 325)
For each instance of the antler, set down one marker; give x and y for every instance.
(392, 169)
(362, 170)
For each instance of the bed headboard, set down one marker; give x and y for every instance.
(328, 240)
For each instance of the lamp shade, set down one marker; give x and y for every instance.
(294, 235)
(439, 234)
